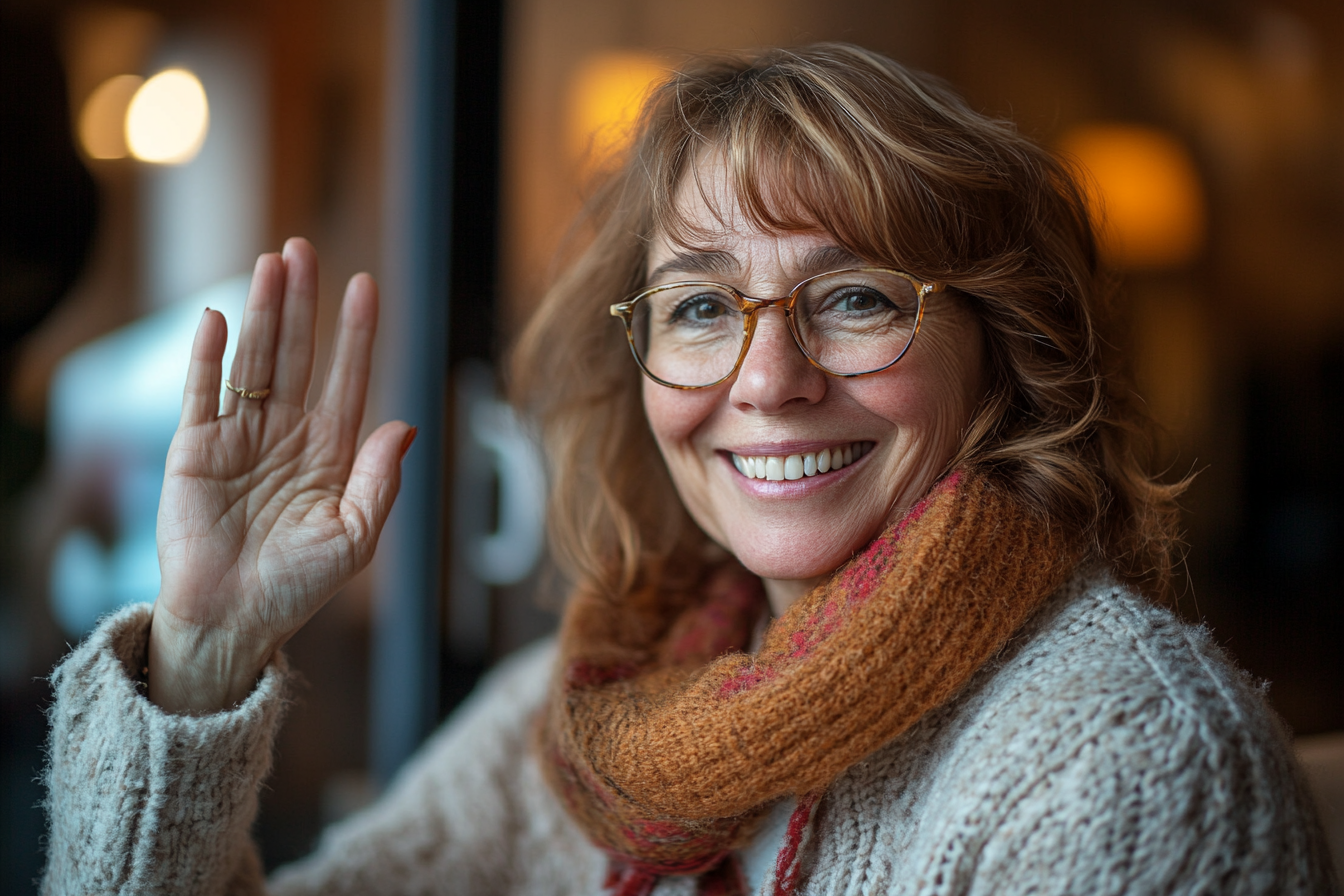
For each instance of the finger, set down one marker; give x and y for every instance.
(374, 482)
(254, 359)
(298, 326)
(348, 380)
(200, 398)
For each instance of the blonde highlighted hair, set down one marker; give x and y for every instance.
(901, 172)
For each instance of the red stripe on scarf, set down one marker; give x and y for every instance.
(788, 864)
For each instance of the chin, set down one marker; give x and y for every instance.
(786, 562)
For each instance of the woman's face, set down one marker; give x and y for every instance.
(901, 426)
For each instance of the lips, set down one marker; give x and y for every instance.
(778, 468)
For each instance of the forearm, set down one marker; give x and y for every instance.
(144, 801)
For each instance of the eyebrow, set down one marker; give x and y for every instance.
(830, 258)
(716, 262)
(698, 261)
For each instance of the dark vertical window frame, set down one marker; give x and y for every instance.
(473, 331)
(446, 162)
(409, 574)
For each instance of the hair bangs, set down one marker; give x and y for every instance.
(809, 148)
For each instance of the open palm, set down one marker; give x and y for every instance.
(268, 508)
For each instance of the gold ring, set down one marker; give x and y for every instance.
(247, 393)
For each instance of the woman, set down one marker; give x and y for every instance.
(909, 448)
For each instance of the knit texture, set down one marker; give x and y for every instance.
(666, 741)
(145, 811)
(1107, 749)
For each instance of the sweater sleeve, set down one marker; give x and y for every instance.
(140, 801)
(143, 801)
(469, 814)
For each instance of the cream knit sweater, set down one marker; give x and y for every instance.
(1107, 749)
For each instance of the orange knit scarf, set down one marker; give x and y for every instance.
(665, 741)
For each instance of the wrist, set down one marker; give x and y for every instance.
(198, 670)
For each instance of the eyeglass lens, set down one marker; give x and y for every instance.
(691, 334)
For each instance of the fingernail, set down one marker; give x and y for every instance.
(406, 442)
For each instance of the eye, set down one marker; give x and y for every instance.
(858, 300)
(700, 309)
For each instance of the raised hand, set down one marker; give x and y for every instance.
(267, 507)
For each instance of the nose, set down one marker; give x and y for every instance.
(775, 374)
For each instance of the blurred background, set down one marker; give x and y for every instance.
(150, 150)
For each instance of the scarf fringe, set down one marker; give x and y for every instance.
(727, 878)
(626, 880)
(724, 879)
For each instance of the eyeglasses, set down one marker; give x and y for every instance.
(694, 334)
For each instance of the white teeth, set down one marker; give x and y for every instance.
(799, 466)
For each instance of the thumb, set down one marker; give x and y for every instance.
(374, 482)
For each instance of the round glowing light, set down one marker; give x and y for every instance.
(168, 118)
(1145, 194)
(605, 96)
(102, 121)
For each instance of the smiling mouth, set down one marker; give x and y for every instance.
(778, 468)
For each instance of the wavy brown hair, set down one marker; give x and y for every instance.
(901, 172)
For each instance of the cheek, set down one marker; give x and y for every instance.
(954, 368)
(675, 415)
(676, 418)
(954, 391)
(931, 398)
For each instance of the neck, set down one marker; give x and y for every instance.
(783, 592)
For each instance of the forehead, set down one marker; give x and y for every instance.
(711, 234)
(706, 203)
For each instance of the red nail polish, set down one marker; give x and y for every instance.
(406, 442)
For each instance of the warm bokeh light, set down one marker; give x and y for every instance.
(168, 118)
(604, 99)
(102, 120)
(1145, 192)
